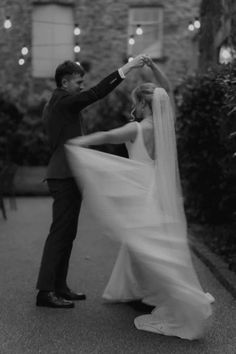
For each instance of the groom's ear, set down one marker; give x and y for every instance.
(64, 82)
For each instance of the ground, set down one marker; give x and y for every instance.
(92, 327)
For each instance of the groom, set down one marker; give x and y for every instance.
(62, 118)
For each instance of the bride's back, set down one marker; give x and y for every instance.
(148, 137)
(142, 148)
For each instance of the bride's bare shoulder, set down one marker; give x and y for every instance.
(147, 126)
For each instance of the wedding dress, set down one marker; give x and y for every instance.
(154, 262)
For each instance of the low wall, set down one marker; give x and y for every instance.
(29, 181)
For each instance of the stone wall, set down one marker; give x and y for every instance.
(103, 39)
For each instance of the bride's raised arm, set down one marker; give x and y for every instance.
(161, 78)
(114, 136)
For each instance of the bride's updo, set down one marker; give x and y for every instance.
(144, 92)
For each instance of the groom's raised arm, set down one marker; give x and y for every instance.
(84, 98)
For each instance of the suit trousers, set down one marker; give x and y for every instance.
(57, 249)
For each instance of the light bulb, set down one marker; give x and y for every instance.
(131, 40)
(76, 48)
(21, 61)
(130, 59)
(197, 23)
(24, 50)
(77, 30)
(191, 26)
(7, 23)
(139, 30)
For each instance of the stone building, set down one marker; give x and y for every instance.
(46, 29)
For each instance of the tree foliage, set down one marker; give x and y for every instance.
(206, 118)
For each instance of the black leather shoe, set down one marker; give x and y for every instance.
(50, 299)
(70, 295)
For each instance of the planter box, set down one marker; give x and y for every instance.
(29, 181)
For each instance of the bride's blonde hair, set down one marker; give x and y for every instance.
(144, 92)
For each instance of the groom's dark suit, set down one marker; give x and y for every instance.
(62, 119)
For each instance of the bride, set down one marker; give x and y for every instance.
(139, 202)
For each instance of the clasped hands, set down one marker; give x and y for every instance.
(141, 60)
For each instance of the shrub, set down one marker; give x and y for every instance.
(34, 148)
(10, 119)
(206, 117)
(22, 137)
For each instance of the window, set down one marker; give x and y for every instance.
(52, 38)
(150, 21)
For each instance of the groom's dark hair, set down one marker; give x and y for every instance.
(67, 68)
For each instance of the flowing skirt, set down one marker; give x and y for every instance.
(154, 263)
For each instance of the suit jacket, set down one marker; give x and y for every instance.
(62, 120)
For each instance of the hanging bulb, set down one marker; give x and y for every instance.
(7, 23)
(191, 26)
(139, 30)
(77, 30)
(24, 50)
(76, 48)
(131, 40)
(21, 61)
(130, 59)
(77, 62)
(197, 23)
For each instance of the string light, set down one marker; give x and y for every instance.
(139, 30)
(131, 40)
(194, 25)
(197, 23)
(225, 56)
(77, 30)
(21, 61)
(7, 23)
(191, 26)
(24, 50)
(76, 48)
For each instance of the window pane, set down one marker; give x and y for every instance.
(52, 38)
(146, 14)
(151, 21)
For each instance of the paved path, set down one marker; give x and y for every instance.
(92, 327)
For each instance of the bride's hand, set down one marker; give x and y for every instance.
(148, 61)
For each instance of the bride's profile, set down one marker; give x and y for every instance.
(139, 202)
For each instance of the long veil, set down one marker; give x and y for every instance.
(186, 307)
(167, 171)
(167, 176)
